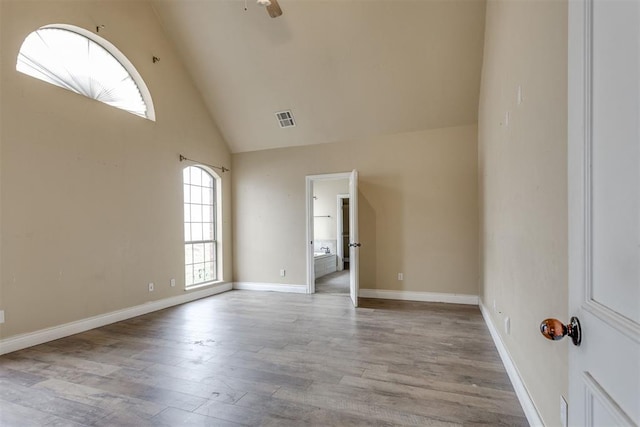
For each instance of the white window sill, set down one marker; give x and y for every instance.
(204, 285)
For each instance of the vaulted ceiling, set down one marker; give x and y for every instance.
(348, 69)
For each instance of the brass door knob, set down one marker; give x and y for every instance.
(554, 330)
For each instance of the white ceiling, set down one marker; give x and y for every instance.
(346, 68)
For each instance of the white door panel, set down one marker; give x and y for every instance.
(604, 211)
(354, 247)
(614, 144)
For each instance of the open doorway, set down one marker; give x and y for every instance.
(331, 221)
(331, 236)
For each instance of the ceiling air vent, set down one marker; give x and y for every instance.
(285, 118)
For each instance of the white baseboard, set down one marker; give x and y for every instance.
(273, 287)
(419, 296)
(529, 408)
(19, 342)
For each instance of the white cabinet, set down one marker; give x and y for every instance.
(324, 264)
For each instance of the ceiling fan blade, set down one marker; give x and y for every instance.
(274, 9)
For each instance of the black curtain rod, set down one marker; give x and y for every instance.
(222, 168)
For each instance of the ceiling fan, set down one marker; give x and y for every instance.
(273, 8)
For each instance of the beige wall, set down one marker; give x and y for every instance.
(92, 195)
(523, 188)
(417, 209)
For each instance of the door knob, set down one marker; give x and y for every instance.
(554, 330)
(355, 245)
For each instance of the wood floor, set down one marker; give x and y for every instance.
(267, 359)
(333, 283)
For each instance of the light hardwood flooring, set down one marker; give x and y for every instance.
(268, 359)
(334, 283)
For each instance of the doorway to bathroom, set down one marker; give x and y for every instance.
(332, 234)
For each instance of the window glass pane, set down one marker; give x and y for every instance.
(196, 213)
(196, 231)
(187, 211)
(209, 271)
(207, 196)
(186, 176)
(188, 275)
(196, 176)
(188, 254)
(207, 231)
(207, 180)
(187, 232)
(207, 213)
(198, 273)
(198, 253)
(196, 194)
(187, 193)
(208, 251)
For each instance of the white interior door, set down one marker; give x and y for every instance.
(604, 214)
(354, 243)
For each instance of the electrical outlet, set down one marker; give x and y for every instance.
(1, 316)
(507, 325)
(564, 412)
(151, 287)
(400, 276)
(172, 282)
(283, 272)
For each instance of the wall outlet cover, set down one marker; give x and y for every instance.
(151, 287)
(1, 316)
(400, 276)
(172, 282)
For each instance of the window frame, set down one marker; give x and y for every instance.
(216, 224)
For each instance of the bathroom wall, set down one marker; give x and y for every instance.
(523, 188)
(92, 203)
(418, 209)
(326, 212)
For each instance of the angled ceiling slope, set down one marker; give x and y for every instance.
(347, 69)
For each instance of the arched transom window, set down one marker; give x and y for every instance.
(85, 63)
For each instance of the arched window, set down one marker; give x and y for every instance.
(82, 62)
(201, 192)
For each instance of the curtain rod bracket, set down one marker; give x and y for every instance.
(222, 168)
